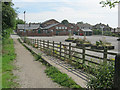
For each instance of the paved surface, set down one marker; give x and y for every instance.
(93, 39)
(30, 73)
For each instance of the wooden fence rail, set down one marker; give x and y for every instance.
(68, 52)
(72, 53)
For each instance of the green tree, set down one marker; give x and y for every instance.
(80, 22)
(65, 22)
(19, 21)
(8, 17)
(97, 32)
(110, 3)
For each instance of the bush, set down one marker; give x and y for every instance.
(97, 32)
(104, 77)
(6, 33)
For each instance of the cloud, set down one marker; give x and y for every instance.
(73, 11)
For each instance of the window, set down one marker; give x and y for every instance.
(65, 27)
(51, 30)
(62, 27)
(21, 30)
(56, 27)
(71, 27)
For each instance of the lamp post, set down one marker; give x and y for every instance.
(24, 22)
(102, 27)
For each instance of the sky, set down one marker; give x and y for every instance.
(88, 11)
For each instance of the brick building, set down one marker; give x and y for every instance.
(47, 28)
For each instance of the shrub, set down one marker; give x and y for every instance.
(104, 77)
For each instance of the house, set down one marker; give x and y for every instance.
(115, 30)
(105, 27)
(73, 28)
(85, 29)
(48, 23)
(48, 28)
(27, 29)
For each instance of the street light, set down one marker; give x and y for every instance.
(102, 27)
(24, 26)
(24, 21)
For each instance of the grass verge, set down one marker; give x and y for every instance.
(8, 56)
(57, 76)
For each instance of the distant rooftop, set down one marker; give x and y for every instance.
(89, 30)
(28, 26)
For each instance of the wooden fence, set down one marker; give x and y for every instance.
(71, 53)
(81, 55)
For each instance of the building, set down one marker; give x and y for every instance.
(28, 29)
(85, 29)
(105, 27)
(47, 28)
(115, 30)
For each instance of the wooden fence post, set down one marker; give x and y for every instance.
(117, 72)
(37, 44)
(48, 44)
(40, 44)
(69, 51)
(53, 48)
(43, 44)
(60, 49)
(83, 54)
(105, 56)
(32, 42)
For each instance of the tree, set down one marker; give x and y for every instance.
(19, 21)
(8, 17)
(65, 22)
(110, 3)
(80, 22)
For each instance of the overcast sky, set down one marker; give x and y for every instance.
(88, 11)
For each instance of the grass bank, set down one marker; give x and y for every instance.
(57, 76)
(8, 56)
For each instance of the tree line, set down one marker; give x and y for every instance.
(9, 19)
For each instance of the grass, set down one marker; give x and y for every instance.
(8, 56)
(53, 73)
(61, 78)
